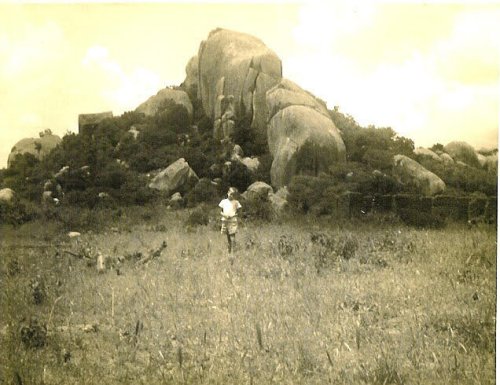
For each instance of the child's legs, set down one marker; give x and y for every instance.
(231, 242)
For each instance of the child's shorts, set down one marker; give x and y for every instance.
(229, 225)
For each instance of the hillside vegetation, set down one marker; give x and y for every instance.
(121, 165)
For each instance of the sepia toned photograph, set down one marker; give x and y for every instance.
(260, 192)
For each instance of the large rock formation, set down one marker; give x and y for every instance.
(191, 81)
(301, 136)
(178, 177)
(157, 102)
(286, 93)
(409, 172)
(238, 65)
(39, 147)
(238, 77)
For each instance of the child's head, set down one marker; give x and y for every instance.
(231, 193)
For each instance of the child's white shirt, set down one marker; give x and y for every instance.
(229, 207)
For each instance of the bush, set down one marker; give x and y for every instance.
(198, 217)
(203, 192)
(252, 142)
(313, 194)
(135, 191)
(258, 209)
(85, 198)
(358, 177)
(18, 212)
(239, 176)
(464, 179)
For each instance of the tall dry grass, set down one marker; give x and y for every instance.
(303, 302)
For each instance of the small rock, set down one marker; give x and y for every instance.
(100, 263)
(90, 328)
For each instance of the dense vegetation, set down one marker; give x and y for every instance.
(121, 154)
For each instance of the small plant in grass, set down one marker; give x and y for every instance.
(34, 334)
(13, 267)
(38, 291)
(348, 246)
(198, 217)
(287, 246)
(322, 239)
(385, 371)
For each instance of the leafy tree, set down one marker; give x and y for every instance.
(437, 148)
(372, 146)
(172, 116)
(25, 177)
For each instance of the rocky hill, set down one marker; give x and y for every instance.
(235, 121)
(237, 77)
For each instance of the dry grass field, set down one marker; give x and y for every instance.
(302, 302)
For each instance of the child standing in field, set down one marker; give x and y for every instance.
(230, 207)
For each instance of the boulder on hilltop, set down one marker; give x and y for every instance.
(38, 147)
(239, 78)
(155, 103)
(239, 65)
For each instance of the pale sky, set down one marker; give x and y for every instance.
(428, 70)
